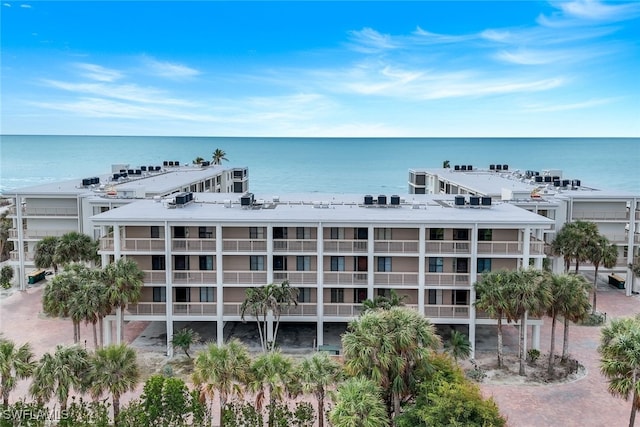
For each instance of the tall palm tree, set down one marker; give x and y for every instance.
(576, 309)
(124, 281)
(45, 253)
(281, 296)
(271, 374)
(620, 360)
(5, 225)
(16, 363)
(198, 160)
(390, 347)
(492, 297)
(359, 404)
(58, 293)
(223, 369)
(572, 240)
(600, 252)
(381, 301)
(318, 374)
(88, 304)
(58, 373)
(219, 156)
(114, 370)
(75, 247)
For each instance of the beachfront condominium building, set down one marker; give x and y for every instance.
(53, 209)
(550, 194)
(201, 252)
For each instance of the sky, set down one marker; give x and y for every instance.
(321, 69)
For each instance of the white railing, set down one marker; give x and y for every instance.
(294, 245)
(342, 310)
(345, 246)
(35, 234)
(447, 311)
(194, 308)
(147, 308)
(143, 244)
(345, 278)
(296, 277)
(512, 247)
(245, 277)
(406, 279)
(232, 309)
(244, 245)
(447, 279)
(601, 215)
(396, 246)
(447, 247)
(617, 238)
(50, 211)
(155, 276)
(28, 256)
(194, 277)
(302, 309)
(536, 248)
(193, 245)
(106, 243)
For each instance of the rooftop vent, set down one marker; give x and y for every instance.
(498, 167)
(459, 200)
(456, 167)
(492, 167)
(463, 167)
(382, 199)
(368, 200)
(469, 167)
(505, 167)
(246, 200)
(183, 198)
(486, 201)
(395, 200)
(143, 168)
(474, 200)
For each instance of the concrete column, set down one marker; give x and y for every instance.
(269, 263)
(20, 269)
(631, 245)
(119, 325)
(116, 242)
(106, 331)
(320, 284)
(168, 287)
(219, 287)
(524, 349)
(473, 278)
(526, 247)
(370, 265)
(535, 331)
(421, 267)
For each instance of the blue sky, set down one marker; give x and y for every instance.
(420, 68)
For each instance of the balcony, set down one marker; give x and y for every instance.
(147, 308)
(345, 278)
(502, 248)
(194, 277)
(399, 279)
(155, 277)
(28, 256)
(50, 211)
(35, 234)
(294, 245)
(396, 246)
(142, 244)
(447, 247)
(342, 310)
(296, 277)
(601, 215)
(447, 311)
(447, 279)
(244, 245)
(194, 308)
(193, 245)
(245, 278)
(345, 246)
(302, 309)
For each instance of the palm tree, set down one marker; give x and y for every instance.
(492, 296)
(198, 160)
(390, 347)
(620, 360)
(184, 339)
(576, 309)
(75, 247)
(600, 251)
(219, 156)
(45, 253)
(89, 304)
(15, 364)
(223, 369)
(57, 374)
(5, 225)
(572, 240)
(383, 302)
(124, 281)
(57, 295)
(272, 373)
(6, 274)
(359, 404)
(114, 369)
(458, 346)
(319, 373)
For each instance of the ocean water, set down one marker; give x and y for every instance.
(340, 165)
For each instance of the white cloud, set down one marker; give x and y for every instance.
(169, 69)
(581, 12)
(539, 108)
(6, 4)
(98, 72)
(25, 6)
(369, 40)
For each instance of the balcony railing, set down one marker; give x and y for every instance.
(155, 276)
(345, 278)
(296, 277)
(342, 310)
(345, 246)
(194, 277)
(148, 308)
(144, 244)
(447, 247)
(396, 246)
(536, 248)
(244, 245)
(447, 279)
(601, 215)
(28, 256)
(447, 311)
(50, 211)
(35, 234)
(502, 248)
(245, 277)
(194, 308)
(294, 245)
(402, 279)
(193, 245)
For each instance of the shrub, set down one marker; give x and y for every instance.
(533, 355)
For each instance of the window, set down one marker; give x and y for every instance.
(383, 234)
(206, 262)
(337, 263)
(484, 265)
(304, 294)
(256, 233)
(279, 263)
(461, 265)
(256, 263)
(237, 187)
(359, 295)
(159, 294)
(207, 294)
(361, 233)
(459, 297)
(155, 232)
(303, 233)
(386, 293)
(205, 232)
(183, 294)
(436, 234)
(337, 295)
(157, 262)
(435, 296)
(337, 233)
(485, 234)
(179, 232)
(436, 264)
(460, 234)
(384, 264)
(280, 232)
(303, 263)
(181, 262)
(360, 263)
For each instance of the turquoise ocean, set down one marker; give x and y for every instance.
(336, 165)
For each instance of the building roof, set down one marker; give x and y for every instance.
(314, 208)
